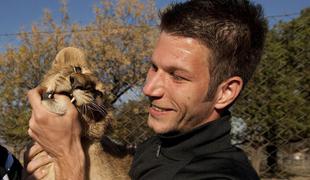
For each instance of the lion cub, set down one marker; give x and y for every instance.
(71, 75)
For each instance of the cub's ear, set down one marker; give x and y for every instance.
(70, 56)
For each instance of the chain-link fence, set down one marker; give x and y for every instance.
(278, 129)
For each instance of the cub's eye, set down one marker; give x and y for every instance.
(98, 93)
(88, 87)
(77, 69)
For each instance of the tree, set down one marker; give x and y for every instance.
(118, 43)
(275, 103)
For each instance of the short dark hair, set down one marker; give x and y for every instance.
(234, 31)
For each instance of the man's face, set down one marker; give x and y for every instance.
(177, 85)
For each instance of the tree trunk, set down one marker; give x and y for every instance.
(256, 156)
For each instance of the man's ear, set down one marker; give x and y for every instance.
(227, 92)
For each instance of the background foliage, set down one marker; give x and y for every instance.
(275, 104)
(119, 42)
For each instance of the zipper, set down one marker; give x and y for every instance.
(158, 150)
(9, 162)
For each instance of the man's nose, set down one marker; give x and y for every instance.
(154, 85)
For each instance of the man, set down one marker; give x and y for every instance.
(206, 52)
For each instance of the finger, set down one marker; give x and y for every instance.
(31, 150)
(38, 119)
(34, 150)
(70, 107)
(62, 98)
(31, 122)
(39, 161)
(33, 135)
(34, 97)
(38, 174)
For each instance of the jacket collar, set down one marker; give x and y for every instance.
(208, 138)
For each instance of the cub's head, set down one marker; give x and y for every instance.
(71, 75)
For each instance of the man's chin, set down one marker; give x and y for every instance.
(157, 127)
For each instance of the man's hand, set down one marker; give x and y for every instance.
(58, 135)
(35, 167)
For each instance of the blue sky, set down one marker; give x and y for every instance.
(17, 14)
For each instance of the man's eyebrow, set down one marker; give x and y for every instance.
(170, 67)
(182, 70)
(176, 68)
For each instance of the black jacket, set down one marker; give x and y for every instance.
(203, 153)
(9, 165)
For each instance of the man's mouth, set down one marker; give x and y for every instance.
(159, 109)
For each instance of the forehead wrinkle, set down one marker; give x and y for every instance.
(184, 50)
(168, 66)
(181, 49)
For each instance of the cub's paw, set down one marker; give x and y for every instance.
(57, 84)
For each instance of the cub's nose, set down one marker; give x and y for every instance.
(76, 82)
(81, 81)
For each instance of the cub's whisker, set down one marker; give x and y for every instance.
(91, 110)
(101, 107)
(98, 108)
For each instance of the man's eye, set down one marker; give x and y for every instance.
(177, 77)
(153, 67)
